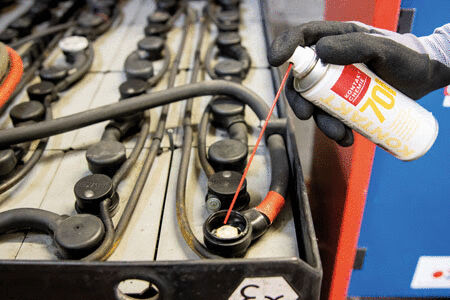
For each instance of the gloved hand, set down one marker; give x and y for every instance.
(412, 65)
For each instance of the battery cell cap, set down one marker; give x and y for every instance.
(224, 106)
(228, 154)
(73, 44)
(153, 45)
(39, 91)
(106, 157)
(8, 161)
(54, 74)
(158, 17)
(228, 16)
(229, 67)
(78, 235)
(226, 39)
(91, 190)
(27, 111)
(132, 88)
(90, 20)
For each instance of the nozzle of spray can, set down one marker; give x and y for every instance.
(367, 104)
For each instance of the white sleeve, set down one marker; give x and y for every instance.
(437, 45)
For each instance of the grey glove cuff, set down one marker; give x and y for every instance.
(436, 45)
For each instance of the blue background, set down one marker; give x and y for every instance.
(407, 212)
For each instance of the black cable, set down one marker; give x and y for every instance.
(201, 143)
(152, 81)
(212, 17)
(18, 175)
(104, 27)
(30, 72)
(40, 130)
(209, 57)
(71, 79)
(236, 52)
(108, 240)
(182, 219)
(177, 14)
(39, 151)
(135, 194)
(238, 131)
(280, 165)
(151, 154)
(239, 53)
(42, 33)
(131, 160)
(20, 219)
(155, 144)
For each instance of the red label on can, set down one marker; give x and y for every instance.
(352, 85)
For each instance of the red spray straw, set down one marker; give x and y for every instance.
(257, 143)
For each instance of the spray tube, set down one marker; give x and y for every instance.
(364, 102)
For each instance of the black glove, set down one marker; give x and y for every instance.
(406, 69)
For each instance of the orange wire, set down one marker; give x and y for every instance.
(13, 78)
(257, 143)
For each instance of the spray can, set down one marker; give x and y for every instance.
(364, 102)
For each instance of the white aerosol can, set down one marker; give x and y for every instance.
(364, 102)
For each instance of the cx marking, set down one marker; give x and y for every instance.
(248, 297)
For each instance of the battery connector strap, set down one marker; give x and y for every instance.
(13, 77)
(271, 205)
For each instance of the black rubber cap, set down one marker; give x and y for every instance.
(90, 20)
(229, 67)
(223, 185)
(158, 17)
(138, 68)
(226, 111)
(27, 111)
(106, 157)
(227, 247)
(8, 161)
(40, 90)
(228, 16)
(53, 74)
(132, 88)
(91, 190)
(224, 106)
(8, 35)
(228, 154)
(233, 27)
(156, 30)
(153, 45)
(79, 235)
(226, 39)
